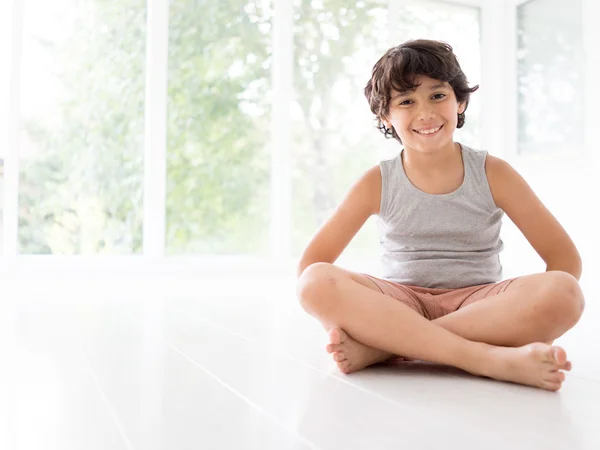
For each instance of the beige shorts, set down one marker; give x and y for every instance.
(433, 303)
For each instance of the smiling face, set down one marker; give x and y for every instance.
(425, 119)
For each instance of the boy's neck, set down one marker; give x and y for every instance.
(433, 162)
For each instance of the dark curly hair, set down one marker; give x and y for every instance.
(400, 65)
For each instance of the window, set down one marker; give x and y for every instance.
(81, 142)
(82, 129)
(550, 76)
(218, 153)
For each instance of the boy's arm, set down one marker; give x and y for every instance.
(545, 234)
(361, 202)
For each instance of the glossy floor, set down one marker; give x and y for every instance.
(236, 364)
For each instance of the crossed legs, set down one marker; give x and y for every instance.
(501, 337)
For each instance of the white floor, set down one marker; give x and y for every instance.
(150, 364)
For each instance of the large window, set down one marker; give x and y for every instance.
(81, 142)
(550, 76)
(218, 163)
(82, 104)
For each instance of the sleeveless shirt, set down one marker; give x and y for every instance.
(439, 240)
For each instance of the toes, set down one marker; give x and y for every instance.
(551, 386)
(559, 356)
(336, 339)
(331, 348)
(565, 366)
(556, 376)
(344, 366)
(552, 354)
(335, 336)
(339, 356)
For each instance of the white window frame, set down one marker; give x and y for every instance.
(281, 133)
(155, 142)
(494, 81)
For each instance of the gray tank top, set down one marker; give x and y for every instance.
(440, 240)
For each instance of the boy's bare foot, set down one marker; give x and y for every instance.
(536, 364)
(351, 355)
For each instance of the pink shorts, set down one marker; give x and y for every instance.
(433, 303)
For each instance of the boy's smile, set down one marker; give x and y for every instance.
(429, 132)
(425, 118)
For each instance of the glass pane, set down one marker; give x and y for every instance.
(218, 162)
(334, 134)
(550, 76)
(81, 143)
(5, 67)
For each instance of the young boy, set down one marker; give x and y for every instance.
(438, 205)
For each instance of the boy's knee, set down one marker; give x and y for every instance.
(315, 283)
(569, 301)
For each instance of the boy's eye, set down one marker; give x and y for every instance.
(435, 96)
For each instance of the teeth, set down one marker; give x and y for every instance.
(432, 130)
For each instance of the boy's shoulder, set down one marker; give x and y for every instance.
(494, 166)
(500, 175)
(368, 188)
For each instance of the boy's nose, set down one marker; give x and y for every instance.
(425, 113)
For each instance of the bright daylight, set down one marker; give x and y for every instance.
(299, 224)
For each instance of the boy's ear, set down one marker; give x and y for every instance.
(462, 107)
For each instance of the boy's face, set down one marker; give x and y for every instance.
(432, 106)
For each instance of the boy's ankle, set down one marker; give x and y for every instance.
(481, 360)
